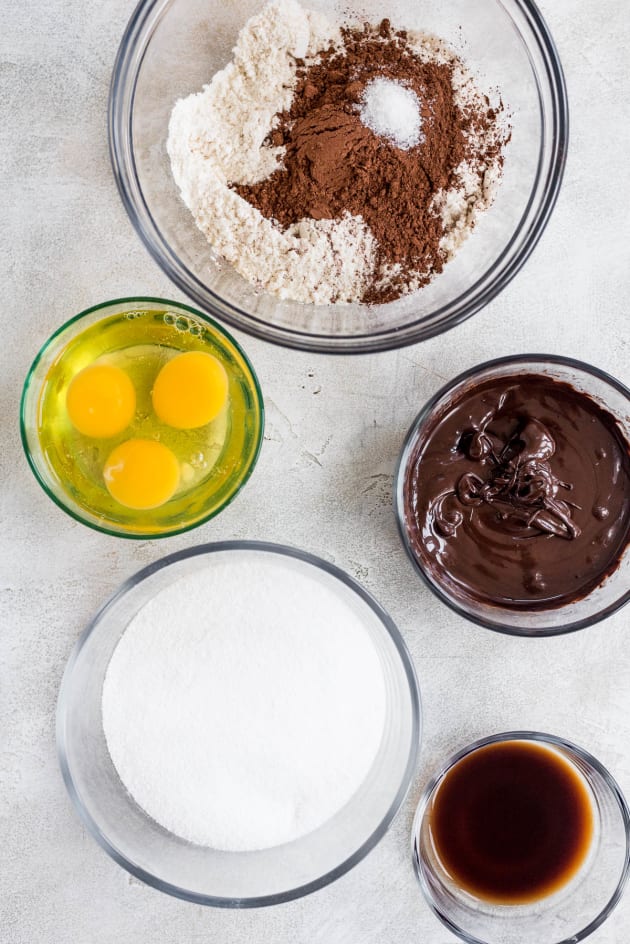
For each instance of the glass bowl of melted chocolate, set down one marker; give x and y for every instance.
(513, 494)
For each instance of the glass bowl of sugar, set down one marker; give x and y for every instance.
(239, 724)
(337, 264)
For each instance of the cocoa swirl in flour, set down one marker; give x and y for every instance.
(334, 165)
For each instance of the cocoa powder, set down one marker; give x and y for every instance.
(334, 164)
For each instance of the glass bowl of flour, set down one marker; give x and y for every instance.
(239, 724)
(301, 282)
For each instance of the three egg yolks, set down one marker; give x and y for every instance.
(189, 391)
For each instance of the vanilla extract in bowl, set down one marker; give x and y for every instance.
(512, 823)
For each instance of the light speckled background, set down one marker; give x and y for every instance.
(334, 429)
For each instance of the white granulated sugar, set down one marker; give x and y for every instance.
(245, 703)
(216, 139)
(393, 112)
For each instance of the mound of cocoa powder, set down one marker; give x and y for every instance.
(334, 164)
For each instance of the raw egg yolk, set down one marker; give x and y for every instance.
(190, 390)
(141, 474)
(101, 401)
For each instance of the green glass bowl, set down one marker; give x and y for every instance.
(176, 326)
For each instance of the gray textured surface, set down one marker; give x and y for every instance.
(333, 433)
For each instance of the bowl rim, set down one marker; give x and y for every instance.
(129, 58)
(416, 723)
(255, 389)
(538, 737)
(399, 511)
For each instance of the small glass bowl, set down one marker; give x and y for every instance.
(185, 329)
(198, 873)
(605, 599)
(172, 48)
(565, 917)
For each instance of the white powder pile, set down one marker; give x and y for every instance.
(245, 704)
(392, 111)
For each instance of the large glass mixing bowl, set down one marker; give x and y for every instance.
(172, 48)
(199, 873)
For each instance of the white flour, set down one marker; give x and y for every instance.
(244, 704)
(216, 139)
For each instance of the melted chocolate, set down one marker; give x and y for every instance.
(519, 495)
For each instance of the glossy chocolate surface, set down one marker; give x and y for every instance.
(518, 494)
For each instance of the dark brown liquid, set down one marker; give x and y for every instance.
(512, 822)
